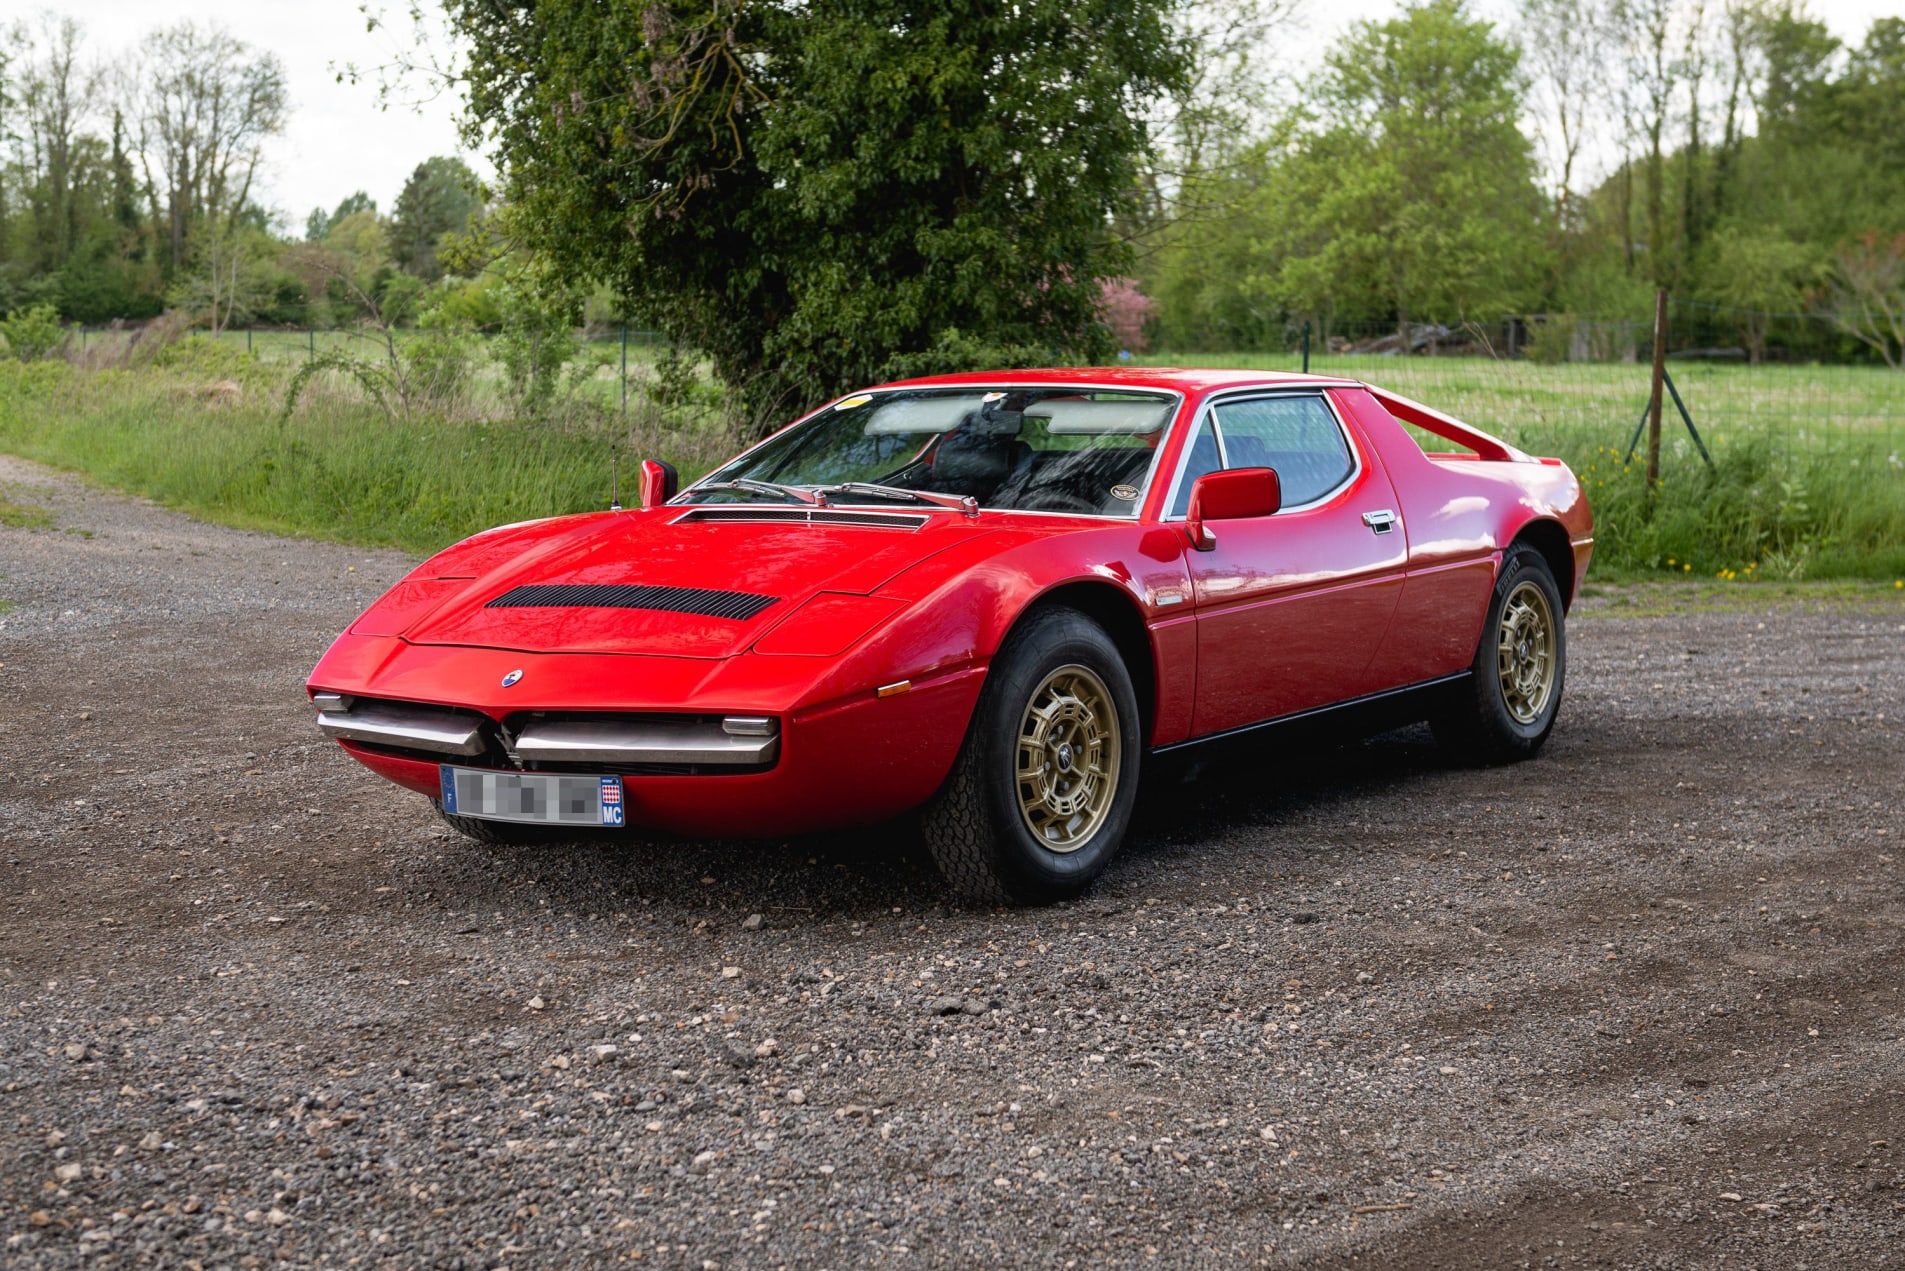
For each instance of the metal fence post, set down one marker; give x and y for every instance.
(625, 373)
(1306, 346)
(247, 340)
(1653, 399)
(310, 345)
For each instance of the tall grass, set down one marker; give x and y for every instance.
(337, 468)
(1808, 476)
(1763, 511)
(1786, 498)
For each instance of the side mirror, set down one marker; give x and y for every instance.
(1231, 495)
(659, 482)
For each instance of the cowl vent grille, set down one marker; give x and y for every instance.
(737, 605)
(810, 516)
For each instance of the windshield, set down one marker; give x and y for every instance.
(1016, 449)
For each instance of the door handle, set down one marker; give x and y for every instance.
(1380, 522)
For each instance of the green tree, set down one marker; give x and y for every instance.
(318, 224)
(438, 199)
(205, 104)
(818, 192)
(1411, 191)
(1200, 186)
(1760, 272)
(1868, 294)
(233, 278)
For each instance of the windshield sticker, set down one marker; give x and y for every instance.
(851, 402)
(992, 397)
(1125, 492)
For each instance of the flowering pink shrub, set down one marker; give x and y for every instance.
(1125, 310)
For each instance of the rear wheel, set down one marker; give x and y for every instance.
(1508, 706)
(1041, 794)
(507, 832)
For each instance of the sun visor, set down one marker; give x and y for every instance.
(905, 416)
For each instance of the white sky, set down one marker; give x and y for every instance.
(339, 140)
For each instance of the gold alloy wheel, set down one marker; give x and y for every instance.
(1069, 751)
(1526, 649)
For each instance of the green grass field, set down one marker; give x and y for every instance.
(1808, 481)
(337, 468)
(1599, 403)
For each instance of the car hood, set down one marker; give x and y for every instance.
(654, 582)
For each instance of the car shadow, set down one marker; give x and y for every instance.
(1184, 806)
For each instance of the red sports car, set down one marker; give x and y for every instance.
(991, 598)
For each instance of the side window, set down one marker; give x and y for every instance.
(1295, 434)
(1298, 436)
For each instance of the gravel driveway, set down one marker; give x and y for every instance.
(1637, 1003)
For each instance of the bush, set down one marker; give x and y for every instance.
(537, 341)
(32, 333)
(203, 357)
(1764, 510)
(1552, 341)
(441, 364)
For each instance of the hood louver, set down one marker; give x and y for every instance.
(736, 605)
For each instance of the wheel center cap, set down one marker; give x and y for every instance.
(1064, 756)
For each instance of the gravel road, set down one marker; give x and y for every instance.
(1637, 1003)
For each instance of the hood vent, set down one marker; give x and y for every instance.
(737, 605)
(809, 516)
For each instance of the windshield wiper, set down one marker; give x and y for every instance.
(749, 484)
(954, 502)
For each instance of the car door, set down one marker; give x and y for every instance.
(1291, 608)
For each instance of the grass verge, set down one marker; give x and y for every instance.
(1774, 505)
(337, 469)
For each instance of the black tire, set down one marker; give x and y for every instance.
(508, 833)
(977, 828)
(1477, 722)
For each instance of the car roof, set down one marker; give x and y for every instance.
(1176, 378)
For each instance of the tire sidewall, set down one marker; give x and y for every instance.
(1044, 643)
(1522, 566)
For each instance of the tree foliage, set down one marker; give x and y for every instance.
(207, 104)
(809, 192)
(1413, 181)
(439, 199)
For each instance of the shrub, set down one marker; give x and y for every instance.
(441, 364)
(32, 333)
(204, 357)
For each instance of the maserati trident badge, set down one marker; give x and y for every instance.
(512, 677)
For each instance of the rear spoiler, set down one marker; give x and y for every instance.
(1449, 429)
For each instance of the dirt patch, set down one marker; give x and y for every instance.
(1634, 1004)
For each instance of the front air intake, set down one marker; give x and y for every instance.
(736, 605)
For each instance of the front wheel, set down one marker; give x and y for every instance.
(1508, 706)
(1041, 794)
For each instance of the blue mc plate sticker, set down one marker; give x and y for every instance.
(611, 801)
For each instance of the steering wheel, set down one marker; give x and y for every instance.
(1056, 499)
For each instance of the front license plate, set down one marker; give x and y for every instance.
(540, 798)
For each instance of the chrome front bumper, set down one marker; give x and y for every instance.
(403, 726)
(636, 741)
(614, 741)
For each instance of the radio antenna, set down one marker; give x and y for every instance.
(615, 481)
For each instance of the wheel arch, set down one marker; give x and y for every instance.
(1550, 538)
(1113, 609)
